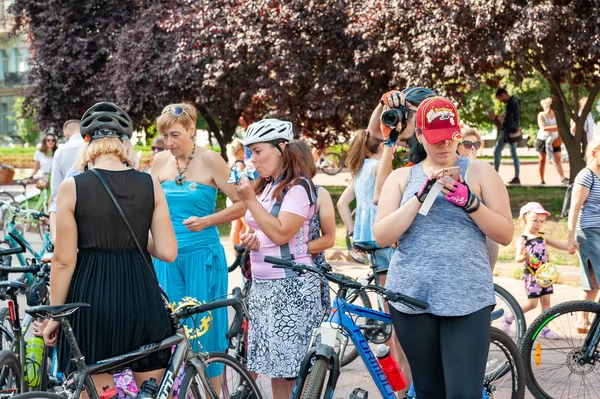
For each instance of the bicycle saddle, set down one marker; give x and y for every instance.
(365, 246)
(56, 312)
(13, 284)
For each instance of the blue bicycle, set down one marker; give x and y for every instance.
(320, 368)
(12, 228)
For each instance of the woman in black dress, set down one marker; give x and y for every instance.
(97, 261)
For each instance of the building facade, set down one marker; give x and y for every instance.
(14, 53)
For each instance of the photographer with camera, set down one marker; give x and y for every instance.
(393, 120)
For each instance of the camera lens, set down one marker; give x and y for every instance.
(391, 117)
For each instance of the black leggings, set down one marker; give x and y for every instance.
(447, 355)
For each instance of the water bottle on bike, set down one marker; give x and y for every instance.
(390, 367)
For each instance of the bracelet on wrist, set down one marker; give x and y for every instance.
(474, 204)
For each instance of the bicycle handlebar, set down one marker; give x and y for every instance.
(35, 214)
(13, 251)
(235, 302)
(238, 258)
(345, 281)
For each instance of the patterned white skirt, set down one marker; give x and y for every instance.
(283, 313)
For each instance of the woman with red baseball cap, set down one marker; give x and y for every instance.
(441, 256)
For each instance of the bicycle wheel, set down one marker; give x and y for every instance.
(359, 298)
(6, 330)
(313, 388)
(553, 352)
(358, 257)
(505, 371)
(10, 374)
(504, 300)
(235, 382)
(331, 163)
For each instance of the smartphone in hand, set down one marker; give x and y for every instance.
(453, 172)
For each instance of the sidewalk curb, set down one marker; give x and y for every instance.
(567, 274)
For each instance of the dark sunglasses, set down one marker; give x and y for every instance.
(159, 149)
(50, 140)
(176, 110)
(469, 144)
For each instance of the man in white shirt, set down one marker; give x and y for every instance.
(64, 158)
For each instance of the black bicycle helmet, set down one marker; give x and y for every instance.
(106, 120)
(416, 95)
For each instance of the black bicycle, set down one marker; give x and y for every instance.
(561, 360)
(234, 382)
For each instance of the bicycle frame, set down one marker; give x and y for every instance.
(340, 318)
(37, 255)
(183, 353)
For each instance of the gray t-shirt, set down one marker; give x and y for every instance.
(442, 258)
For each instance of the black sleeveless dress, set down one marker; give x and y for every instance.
(126, 308)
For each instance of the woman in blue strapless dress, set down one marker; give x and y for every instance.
(190, 176)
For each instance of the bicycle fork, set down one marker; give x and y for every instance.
(326, 351)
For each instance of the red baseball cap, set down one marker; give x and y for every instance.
(437, 118)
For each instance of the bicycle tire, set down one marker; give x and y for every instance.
(514, 364)
(313, 388)
(360, 258)
(532, 344)
(7, 337)
(336, 163)
(519, 322)
(246, 388)
(10, 363)
(350, 355)
(39, 395)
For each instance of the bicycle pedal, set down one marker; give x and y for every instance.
(359, 393)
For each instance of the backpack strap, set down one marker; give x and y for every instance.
(284, 250)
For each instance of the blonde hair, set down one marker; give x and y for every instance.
(470, 131)
(593, 146)
(108, 145)
(187, 119)
(234, 148)
(546, 103)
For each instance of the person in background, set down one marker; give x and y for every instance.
(322, 225)
(236, 154)
(283, 306)
(407, 100)
(588, 125)
(191, 176)
(64, 160)
(532, 252)
(158, 145)
(584, 226)
(43, 157)
(548, 143)
(510, 124)
(446, 344)
(96, 260)
(468, 147)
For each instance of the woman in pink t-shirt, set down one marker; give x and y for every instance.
(284, 307)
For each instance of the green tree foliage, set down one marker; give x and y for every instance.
(25, 126)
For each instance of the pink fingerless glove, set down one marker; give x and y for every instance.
(424, 190)
(459, 195)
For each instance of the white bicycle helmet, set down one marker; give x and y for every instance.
(268, 130)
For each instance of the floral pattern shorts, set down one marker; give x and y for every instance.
(283, 313)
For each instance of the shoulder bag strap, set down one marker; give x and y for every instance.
(129, 228)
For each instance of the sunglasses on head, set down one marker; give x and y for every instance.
(176, 110)
(159, 149)
(470, 144)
